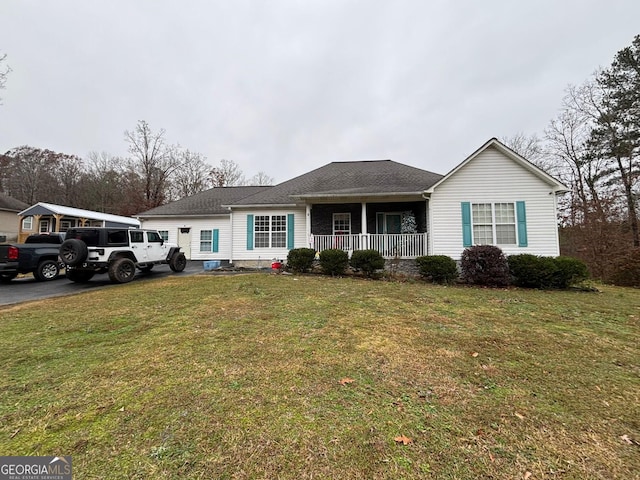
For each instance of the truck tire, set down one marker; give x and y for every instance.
(7, 277)
(46, 270)
(122, 270)
(80, 276)
(73, 252)
(178, 262)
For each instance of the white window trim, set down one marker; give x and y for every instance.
(270, 232)
(335, 232)
(494, 224)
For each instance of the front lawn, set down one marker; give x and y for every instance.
(293, 377)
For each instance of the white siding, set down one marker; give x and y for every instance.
(239, 221)
(492, 177)
(222, 223)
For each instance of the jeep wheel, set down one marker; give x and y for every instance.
(80, 276)
(178, 262)
(7, 277)
(47, 270)
(122, 270)
(73, 252)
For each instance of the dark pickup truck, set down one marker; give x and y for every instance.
(38, 255)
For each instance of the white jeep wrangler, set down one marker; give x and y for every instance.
(116, 251)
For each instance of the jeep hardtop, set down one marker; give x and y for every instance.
(116, 251)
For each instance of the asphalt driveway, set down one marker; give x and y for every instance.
(26, 289)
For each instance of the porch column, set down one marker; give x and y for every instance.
(307, 225)
(58, 218)
(364, 233)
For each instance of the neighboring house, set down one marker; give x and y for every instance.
(9, 223)
(47, 217)
(493, 197)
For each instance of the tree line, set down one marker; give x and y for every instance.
(154, 173)
(593, 147)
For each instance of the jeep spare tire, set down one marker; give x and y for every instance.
(73, 252)
(178, 262)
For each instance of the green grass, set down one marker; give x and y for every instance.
(239, 377)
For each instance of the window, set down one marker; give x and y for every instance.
(270, 231)
(164, 234)
(44, 226)
(27, 223)
(206, 240)
(494, 221)
(136, 237)
(341, 223)
(66, 225)
(154, 237)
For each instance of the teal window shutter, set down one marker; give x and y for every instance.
(249, 232)
(521, 215)
(467, 239)
(215, 238)
(290, 236)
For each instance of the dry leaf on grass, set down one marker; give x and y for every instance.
(475, 354)
(521, 417)
(346, 381)
(403, 439)
(627, 439)
(527, 475)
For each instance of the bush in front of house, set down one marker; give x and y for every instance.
(367, 261)
(570, 271)
(300, 259)
(485, 265)
(531, 271)
(438, 268)
(334, 261)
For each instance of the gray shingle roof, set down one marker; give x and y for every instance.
(366, 178)
(204, 203)
(11, 204)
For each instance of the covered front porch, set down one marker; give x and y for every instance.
(395, 229)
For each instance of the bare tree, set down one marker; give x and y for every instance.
(192, 177)
(567, 146)
(228, 174)
(154, 161)
(102, 183)
(33, 174)
(4, 72)
(261, 178)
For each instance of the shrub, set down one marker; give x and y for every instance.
(368, 261)
(626, 271)
(569, 271)
(300, 259)
(484, 265)
(438, 268)
(530, 271)
(334, 261)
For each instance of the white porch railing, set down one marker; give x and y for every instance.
(401, 245)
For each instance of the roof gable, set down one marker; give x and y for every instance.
(10, 204)
(557, 186)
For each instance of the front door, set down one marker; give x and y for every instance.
(184, 241)
(392, 223)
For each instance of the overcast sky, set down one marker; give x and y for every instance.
(285, 86)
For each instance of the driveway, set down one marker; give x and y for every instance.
(27, 288)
